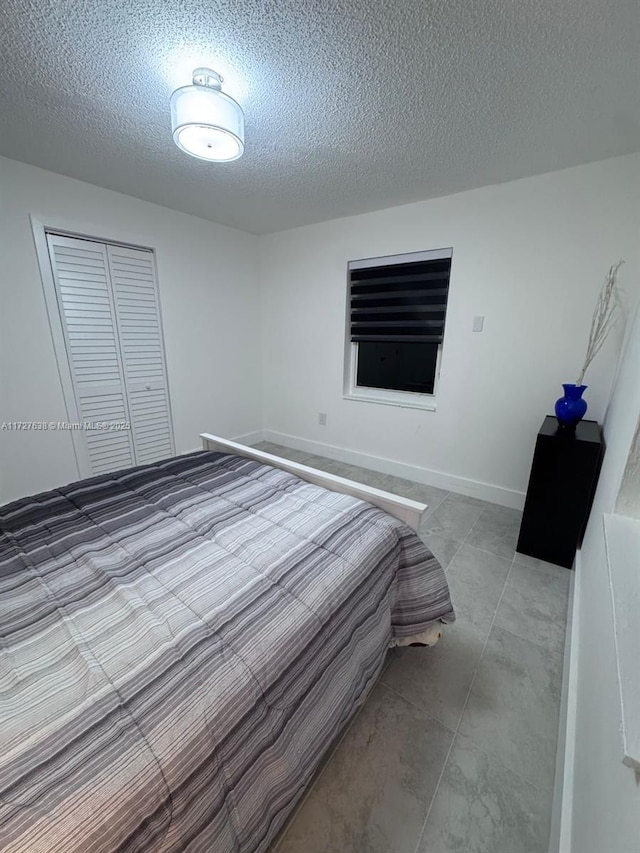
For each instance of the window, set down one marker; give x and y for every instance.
(397, 312)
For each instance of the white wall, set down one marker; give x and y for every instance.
(208, 292)
(605, 794)
(529, 255)
(628, 502)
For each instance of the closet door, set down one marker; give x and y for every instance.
(136, 301)
(85, 302)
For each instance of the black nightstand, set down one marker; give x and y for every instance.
(563, 479)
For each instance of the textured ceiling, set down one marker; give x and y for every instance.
(351, 105)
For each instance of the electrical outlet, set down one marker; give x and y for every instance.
(322, 418)
(478, 323)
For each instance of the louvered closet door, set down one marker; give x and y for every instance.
(81, 276)
(142, 348)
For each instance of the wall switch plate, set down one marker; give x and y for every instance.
(478, 323)
(322, 418)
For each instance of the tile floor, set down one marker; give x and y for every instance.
(454, 750)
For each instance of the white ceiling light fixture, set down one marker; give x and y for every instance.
(205, 122)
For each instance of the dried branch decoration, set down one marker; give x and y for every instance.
(603, 320)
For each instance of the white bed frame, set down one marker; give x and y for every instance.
(403, 508)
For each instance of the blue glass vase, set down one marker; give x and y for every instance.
(571, 408)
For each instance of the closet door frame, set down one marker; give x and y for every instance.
(40, 228)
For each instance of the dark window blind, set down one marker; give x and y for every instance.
(401, 302)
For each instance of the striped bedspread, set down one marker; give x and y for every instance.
(180, 643)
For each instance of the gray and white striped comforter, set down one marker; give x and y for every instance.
(179, 645)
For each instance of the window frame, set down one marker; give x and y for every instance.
(384, 396)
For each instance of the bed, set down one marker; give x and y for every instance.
(181, 642)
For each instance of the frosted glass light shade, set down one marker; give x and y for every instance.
(206, 123)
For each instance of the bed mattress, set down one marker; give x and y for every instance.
(180, 643)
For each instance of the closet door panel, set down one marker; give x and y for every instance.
(142, 347)
(85, 302)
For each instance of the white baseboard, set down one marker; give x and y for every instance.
(562, 809)
(450, 482)
(250, 437)
(247, 438)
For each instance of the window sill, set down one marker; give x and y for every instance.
(402, 401)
